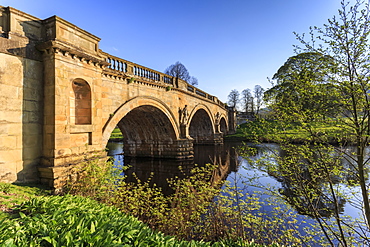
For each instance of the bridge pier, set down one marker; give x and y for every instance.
(56, 172)
(177, 149)
(214, 139)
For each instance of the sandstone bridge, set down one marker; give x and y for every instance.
(61, 97)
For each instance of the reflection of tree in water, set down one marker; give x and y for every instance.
(308, 175)
(307, 196)
(351, 177)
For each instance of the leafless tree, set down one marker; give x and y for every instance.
(193, 81)
(247, 100)
(179, 71)
(258, 95)
(233, 98)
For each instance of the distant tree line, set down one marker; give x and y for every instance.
(247, 101)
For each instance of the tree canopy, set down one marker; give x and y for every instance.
(303, 86)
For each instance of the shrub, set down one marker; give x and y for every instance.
(77, 221)
(190, 213)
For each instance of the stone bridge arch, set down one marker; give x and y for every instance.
(149, 129)
(201, 125)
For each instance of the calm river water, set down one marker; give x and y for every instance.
(231, 167)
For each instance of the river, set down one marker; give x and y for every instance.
(231, 167)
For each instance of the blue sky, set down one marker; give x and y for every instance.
(226, 44)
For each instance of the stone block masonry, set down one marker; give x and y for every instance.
(61, 97)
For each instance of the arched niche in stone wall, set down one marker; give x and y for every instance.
(81, 102)
(223, 126)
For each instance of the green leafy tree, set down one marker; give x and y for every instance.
(345, 39)
(303, 86)
(328, 78)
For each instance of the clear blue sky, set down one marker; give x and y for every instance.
(226, 44)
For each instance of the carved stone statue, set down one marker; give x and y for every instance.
(217, 118)
(183, 115)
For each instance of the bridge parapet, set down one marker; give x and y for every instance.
(133, 72)
(129, 70)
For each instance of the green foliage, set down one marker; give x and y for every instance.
(11, 195)
(77, 221)
(327, 84)
(312, 181)
(191, 198)
(191, 212)
(237, 213)
(174, 215)
(116, 134)
(5, 188)
(303, 88)
(94, 179)
(331, 131)
(131, 80)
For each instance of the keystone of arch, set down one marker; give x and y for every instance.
(133, 103)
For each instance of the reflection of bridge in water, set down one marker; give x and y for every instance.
(224, 157)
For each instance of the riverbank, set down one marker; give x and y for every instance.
(269, 131)
(30, 216)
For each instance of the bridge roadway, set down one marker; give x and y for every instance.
(61, 97)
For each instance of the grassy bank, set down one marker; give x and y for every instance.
(31, 217)
(12, 195)
(77, 221)
(274, 131)
(116, 135)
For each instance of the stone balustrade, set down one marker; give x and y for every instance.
(133, 70)
(130, 69)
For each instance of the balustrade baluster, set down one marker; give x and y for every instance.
(108, 60)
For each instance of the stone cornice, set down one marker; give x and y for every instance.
(57, 19)
(55, 46)
(20, 13)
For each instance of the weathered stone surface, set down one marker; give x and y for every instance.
(61, 97)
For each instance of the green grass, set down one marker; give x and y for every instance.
(116, 134)
(12, 195)
(273, 131)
